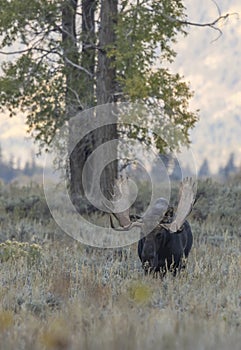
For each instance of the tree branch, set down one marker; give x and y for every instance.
(16, 52)
(211, 24)
(78, 66)
(77, 97)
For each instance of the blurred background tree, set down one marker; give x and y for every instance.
(69, 55)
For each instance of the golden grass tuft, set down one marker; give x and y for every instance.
(55, 335)
(6, 320)
(140, 292)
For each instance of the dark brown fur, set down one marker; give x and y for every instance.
(162, 250)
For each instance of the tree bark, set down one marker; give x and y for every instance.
(71, 56)
(106, 75)
(105, 89)
(86, 86)
(89, 94)
(88, 56)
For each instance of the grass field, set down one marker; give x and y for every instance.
(56, 293)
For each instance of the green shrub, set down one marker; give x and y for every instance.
(13, 251)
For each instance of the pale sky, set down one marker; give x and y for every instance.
(213, 69)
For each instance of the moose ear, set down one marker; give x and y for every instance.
(142, 235)
(168, 215)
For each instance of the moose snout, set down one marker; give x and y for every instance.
(150, 266)
(149, 259)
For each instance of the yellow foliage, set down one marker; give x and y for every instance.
(6, 320)
(140, 292)
(56, 335)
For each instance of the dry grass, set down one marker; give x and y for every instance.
(68, 296)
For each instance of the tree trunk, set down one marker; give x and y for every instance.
(106, 74)
(105, 88)
(88, 56)
(86, 83)
(71, 56)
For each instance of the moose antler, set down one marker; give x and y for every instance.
(153, 216)
(187, 197)
(156, 213)
(121, 189)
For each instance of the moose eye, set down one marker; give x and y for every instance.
(159, 236)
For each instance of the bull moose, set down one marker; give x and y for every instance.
(166, 237)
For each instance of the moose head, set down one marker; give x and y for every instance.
(166, 236)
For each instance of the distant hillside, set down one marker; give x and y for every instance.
(12, 169)
(213, 69)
